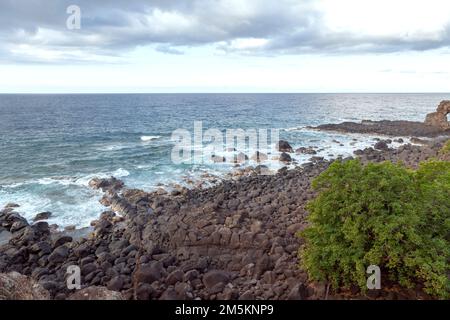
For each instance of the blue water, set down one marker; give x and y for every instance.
(51, 145)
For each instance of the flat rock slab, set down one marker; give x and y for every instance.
(386, 127)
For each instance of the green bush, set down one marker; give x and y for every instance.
(380, 214)
(446, 147)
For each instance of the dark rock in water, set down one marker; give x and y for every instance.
(42, 216)
(70, 228)
(218, 159)
(399, 140)
(284, 146)
(305, 150)
(381, 145)
(386, 127)
(41, 227)
(418, 140)
(214, 277)
(112, 184)
(96, 293)
(284, 157)
(12, 205)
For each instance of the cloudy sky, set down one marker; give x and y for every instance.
(226, 46)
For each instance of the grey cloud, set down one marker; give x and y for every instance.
(113, 28)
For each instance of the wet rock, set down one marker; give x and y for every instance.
(218, 159)
(42, 216)
(111, 184)
(284, 146)
(284, 157)
(381, 145)
(304, 150)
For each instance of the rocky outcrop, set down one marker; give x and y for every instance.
(436, 124)
(14, 286)
(438, 119)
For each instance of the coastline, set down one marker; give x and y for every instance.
(234, 240)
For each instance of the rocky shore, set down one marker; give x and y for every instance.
(235, 240)
(435, 124)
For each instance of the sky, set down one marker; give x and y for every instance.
(224, 46)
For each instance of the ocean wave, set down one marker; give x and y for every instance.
(71, 181)
(149, 138)
(294, 129)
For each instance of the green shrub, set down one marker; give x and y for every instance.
(380, 214)
(446, 148)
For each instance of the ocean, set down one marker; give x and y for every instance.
(52, 145)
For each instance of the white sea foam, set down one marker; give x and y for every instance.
(294, 129)
(149, 138)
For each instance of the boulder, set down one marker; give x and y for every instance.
(96, 293)
(240, 158)
(14, 286)
(149, 273)
(284, 157)
(214, 277)
(42, 216)
(259, 157)
(284, 146)
(305, 150)
(218, 159)
(381, 145)
(439, 118)
(112, 184)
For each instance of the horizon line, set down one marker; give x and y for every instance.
(230, 92)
